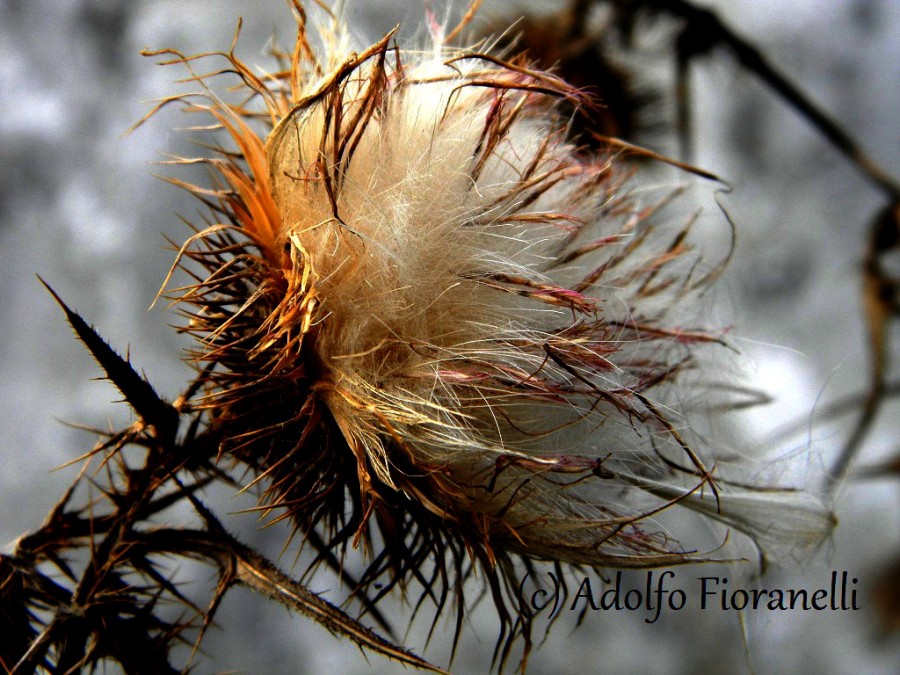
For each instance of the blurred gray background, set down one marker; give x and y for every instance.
(80, 207)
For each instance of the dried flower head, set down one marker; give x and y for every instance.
(435, 331)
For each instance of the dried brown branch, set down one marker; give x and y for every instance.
(881, 296)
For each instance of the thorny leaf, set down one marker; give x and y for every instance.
(135, 388)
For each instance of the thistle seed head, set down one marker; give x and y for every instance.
(434, 328)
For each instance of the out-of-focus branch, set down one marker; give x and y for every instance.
(703, 31)
(880, 296)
